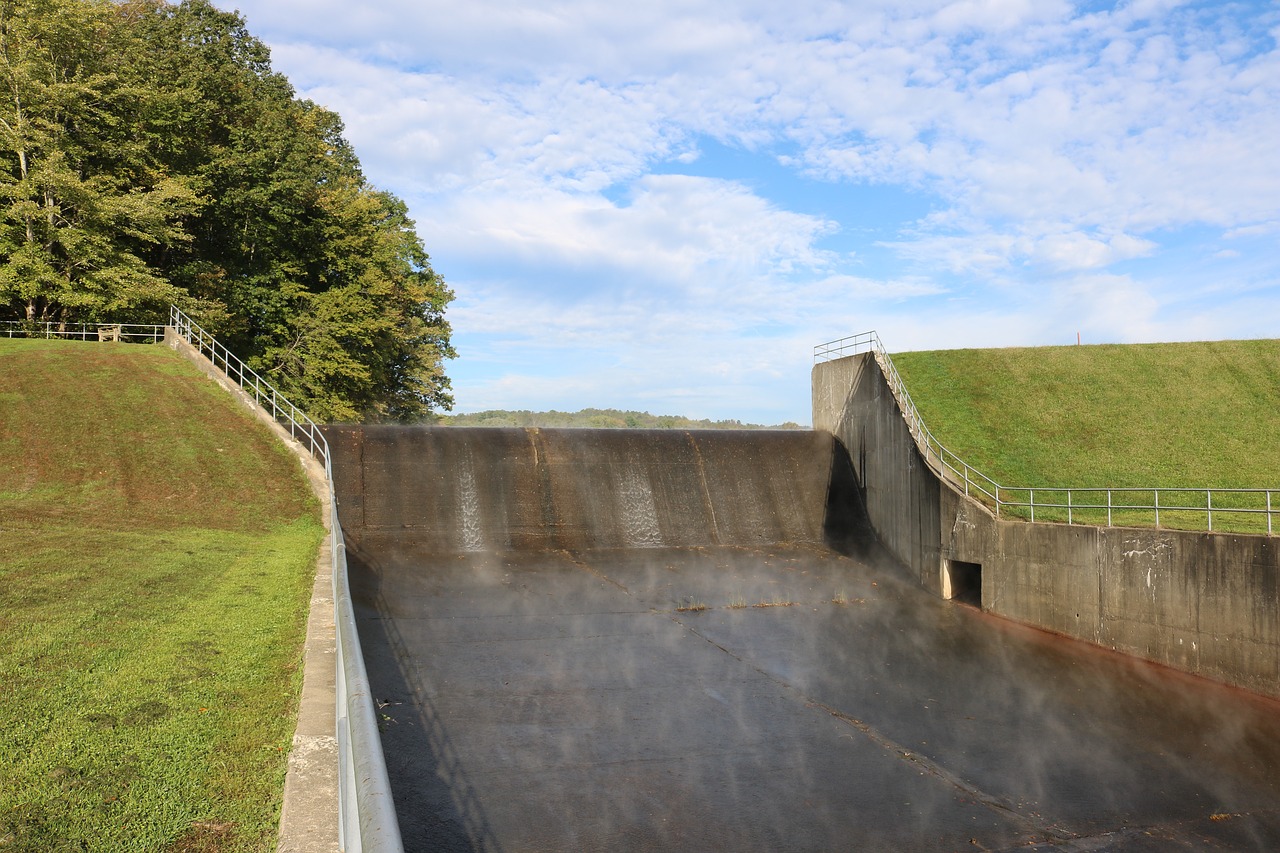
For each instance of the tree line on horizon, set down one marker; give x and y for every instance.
(152, 157)
(596, 419)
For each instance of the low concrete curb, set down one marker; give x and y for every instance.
(309, 817)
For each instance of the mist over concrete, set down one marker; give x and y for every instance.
(634, 640)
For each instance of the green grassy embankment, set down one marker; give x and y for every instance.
(1187, 415)
(157, 548)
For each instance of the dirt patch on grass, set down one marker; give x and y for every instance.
(206, 836)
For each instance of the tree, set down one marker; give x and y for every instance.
(373, 320)
(151, 155)
(315, 277)
(81, 195)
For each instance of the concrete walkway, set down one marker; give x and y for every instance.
(309, 816)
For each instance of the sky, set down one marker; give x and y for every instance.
(665, 206)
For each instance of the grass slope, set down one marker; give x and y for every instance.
(1144, 415)
(156, 552)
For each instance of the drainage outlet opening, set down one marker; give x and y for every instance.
(962, 582)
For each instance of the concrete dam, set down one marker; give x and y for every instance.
(695, 640)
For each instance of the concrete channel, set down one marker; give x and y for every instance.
(666, 640)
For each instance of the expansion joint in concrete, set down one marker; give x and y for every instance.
(592, 570)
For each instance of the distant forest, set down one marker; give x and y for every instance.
(597, 419)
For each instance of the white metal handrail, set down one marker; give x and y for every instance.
(366, 813)
(125, 332)
(1086, 502)
(1170, 500)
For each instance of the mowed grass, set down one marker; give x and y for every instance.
(1191, 415)
(157, 548)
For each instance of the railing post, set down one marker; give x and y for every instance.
(1031, 499)
(1268, 512)
(1208, 505)
(1108, 507)
(1069, 519)
(1157, 494)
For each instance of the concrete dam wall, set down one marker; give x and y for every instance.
(454, 490)
(661, 640)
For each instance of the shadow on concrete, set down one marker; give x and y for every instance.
(846, 528)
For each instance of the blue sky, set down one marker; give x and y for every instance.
(665, 205)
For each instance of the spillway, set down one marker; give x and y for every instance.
(691, 640)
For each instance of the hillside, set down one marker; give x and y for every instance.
(1168, 415)
(156, 551)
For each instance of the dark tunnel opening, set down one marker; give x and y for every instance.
(964, 582)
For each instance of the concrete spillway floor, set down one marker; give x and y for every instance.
(548, 701)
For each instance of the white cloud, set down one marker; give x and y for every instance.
(1109, 308)
(1103, 128)
(553, 152)
(1079, 251)
(683, 232)
(1258, 230)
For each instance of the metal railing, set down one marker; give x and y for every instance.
(300, 427)
(366, 814)
(1250, 510)
(124, 332)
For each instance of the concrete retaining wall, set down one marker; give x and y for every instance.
(852, 401)
(1205, 603)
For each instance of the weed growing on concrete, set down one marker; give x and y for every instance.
(691, 606)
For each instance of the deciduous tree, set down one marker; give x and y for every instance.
(81, 194)
(316, 277)
(152, 155)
